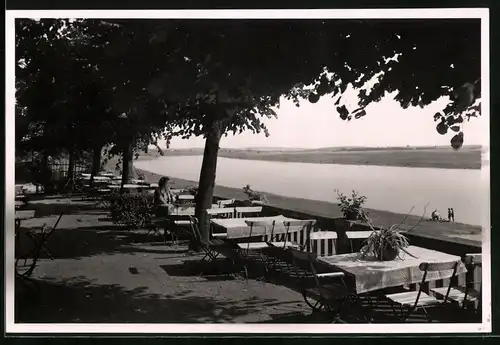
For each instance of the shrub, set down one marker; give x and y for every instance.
(133, 211)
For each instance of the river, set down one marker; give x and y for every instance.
(395, 189)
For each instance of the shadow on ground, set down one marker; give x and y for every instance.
(46, 208)
(78, 242)
(85, 302)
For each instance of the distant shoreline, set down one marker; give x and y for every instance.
(418, 157)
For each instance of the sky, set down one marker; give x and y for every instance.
(319, 125)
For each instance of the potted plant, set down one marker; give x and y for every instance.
(351, 208)
(385, 244)
(253, 196)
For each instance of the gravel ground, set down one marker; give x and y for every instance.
(104, 273)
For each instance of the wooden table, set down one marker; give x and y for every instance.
(370, 274)
(180, 211)
(238, 228)
(22, 215)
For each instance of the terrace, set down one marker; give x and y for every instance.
(110, 273)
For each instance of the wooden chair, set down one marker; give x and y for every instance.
(317, 238)
(353, 236)
(39, 236)
(325, 291)
(242, 212)
(254, 250)
(224, 203)
(214, 247)
(220, 213)
(464, 296)
(410, 301)
(278, 249)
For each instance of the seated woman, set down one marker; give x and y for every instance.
(163, 198)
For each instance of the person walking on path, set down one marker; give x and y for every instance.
(449, 214)
(452, 214)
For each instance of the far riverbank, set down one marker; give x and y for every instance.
(468, 157)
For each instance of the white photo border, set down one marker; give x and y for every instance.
(434, 13)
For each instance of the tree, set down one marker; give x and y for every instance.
(229, 73)
(82, 104)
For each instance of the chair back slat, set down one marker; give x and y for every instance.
(435, 267)
(319, 242)
(240, 211)
(229, 213)
(263, 223)
(300, 222)
(306, 224)
(224, 203)
(473, 259)
(438, 266)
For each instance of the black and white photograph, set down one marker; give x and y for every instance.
(248, 171)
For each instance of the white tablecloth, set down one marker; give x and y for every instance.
(370, 274)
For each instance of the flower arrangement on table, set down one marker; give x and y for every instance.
(387, 244)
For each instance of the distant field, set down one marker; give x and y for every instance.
(431, 157)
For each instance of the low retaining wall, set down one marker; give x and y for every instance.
(341, 225)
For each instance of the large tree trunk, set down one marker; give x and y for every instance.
(128, 163)
(207, 179)
(96, 163)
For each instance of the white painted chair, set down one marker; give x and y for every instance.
(221, 212)
(320, 241)
(408, 302)
(242, 212)
(357, 236)
(225, 203)
(466, 295)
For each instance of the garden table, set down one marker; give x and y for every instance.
(180, 211)
(238, 228)
(21, 215)
(370, 274)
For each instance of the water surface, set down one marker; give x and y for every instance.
(395, 189)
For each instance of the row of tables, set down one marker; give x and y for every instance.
(369, 274)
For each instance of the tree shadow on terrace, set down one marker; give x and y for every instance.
(86, 302)
(79, 242)
(48, 208)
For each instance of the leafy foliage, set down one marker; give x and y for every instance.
(190, 190)
(132, 210)
(353, 206)
(384, 240)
